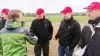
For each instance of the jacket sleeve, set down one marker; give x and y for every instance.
(58, 32)
(85, 36)
(31, 37)
(57, 35)
(50, 30)
(81, 43)
(76, 35)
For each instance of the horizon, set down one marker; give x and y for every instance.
(50, 6)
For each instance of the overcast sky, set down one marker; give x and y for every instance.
(50, 6)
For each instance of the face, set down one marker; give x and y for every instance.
(67, 16)
(20, 17)
(93, 14)
(40, 16)
(4, 16)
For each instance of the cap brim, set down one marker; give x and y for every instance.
(61, 12)
(85, 8)
(89, 7)
(39, 13)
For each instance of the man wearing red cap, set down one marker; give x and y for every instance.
(68, 33)
(91, 31)
(4, 17)
(43, 29)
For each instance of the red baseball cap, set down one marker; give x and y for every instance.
(93, 5)
(5, 11)
(66, 10)
(39, 11)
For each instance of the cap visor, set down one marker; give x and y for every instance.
(85, 8)
(61, 12)
(89, 7)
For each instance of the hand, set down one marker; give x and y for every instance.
(35, 38)
(79, 51)
(56, 37)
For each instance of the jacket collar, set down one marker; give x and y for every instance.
(69, 19)
(3, 19)
(94, 22)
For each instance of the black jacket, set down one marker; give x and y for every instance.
(43, 30)
(91, 38)
(2, 23)
(69, 33)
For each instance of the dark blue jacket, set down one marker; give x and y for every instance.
(91, 38)
(69, 33)
(2, 23)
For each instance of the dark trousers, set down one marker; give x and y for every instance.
(62, 50)
(42, 47)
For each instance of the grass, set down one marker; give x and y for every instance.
(81, 19)
(57, 18)
(28, 19)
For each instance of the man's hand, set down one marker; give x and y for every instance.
(79, 51)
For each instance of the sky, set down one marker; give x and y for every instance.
(50, 6)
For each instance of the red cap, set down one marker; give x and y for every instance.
(66, 10)
(39, 11)
(5, 11)
(93, 5)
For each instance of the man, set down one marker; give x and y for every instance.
(4, 17)
(68, 33)
(91, 31)
(14, 36)
(43, 29)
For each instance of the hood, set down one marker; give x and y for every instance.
(13, 24)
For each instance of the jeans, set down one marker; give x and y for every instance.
(62, 51)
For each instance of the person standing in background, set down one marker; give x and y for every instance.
(4, 17)
(43, 29)
(69, 33)
(90, 41)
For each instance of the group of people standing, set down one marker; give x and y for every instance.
(69, 33)
(13, 35)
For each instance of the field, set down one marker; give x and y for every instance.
(55, 22)
(81, 19)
